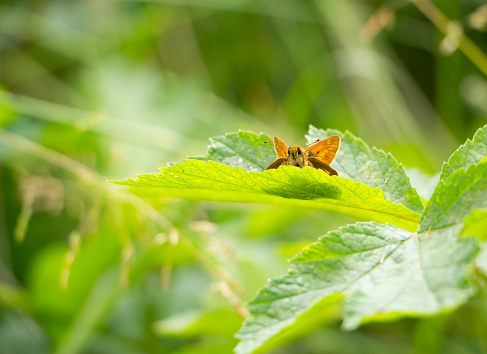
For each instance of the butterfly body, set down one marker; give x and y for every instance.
(319, 155)
(296, 157)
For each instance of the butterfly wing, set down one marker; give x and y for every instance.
(276, 164)
(324, 150)
(317, 163)
(280, 148)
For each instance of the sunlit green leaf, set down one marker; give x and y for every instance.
(476, 224)
(468, 154)
(303, 188)
(385, 272)
(481, 261)
(424, 183)
(242, 149)
(373, 167)
(355, 160)
(456, 197)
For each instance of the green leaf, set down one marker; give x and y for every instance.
(373, 167)
(383, 271)
(476, 224)
(355, 160)
(424, 183)
(468, 154)
(302, 188)
(481, 261)
(242, 149)
(456, 197)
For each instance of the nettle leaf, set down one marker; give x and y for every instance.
(424, 183)
(456, 197)
(383, 272)
(476, 224)
(355, 160)
(373, 167)
(468, 154)
(242, 149)
(304, 188)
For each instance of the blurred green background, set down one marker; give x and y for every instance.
(97, 90)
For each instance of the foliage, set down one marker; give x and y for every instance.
(383, 271)
(97, 91)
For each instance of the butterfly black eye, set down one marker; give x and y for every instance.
(288, 152)
(299, 151)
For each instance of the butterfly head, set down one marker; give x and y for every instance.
(294, 152)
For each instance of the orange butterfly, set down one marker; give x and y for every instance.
(319, 155)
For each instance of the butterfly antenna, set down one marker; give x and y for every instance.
(268, 143)
(314, 142)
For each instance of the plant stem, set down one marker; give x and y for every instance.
(88, 175)
(441, 21)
